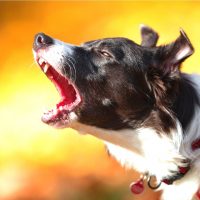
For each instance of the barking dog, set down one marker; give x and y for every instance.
(133, 97)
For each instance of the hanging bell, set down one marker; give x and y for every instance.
(198, 194)
(137, 187)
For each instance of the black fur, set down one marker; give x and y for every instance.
(186, 101)
(143, 83)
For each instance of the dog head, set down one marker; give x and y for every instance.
(113, 83)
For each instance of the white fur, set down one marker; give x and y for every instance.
(186, 188)
(147, 151)
(106, 102)
(142, 149)
(184, 52)
(54, 55)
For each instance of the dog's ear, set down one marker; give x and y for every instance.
(149, 36)
(171, 56)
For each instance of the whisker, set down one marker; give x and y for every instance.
(65, 72)
(62, 65)
(72, 70)
(62, 60)
(34, 68)
(72, 61)
(31, 65)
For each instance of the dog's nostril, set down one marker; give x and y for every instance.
(42, 40)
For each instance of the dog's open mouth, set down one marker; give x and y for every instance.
(70, 96)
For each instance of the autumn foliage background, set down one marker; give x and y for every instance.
(38, 162)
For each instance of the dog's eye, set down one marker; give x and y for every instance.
(105, 53)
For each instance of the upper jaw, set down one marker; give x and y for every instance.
(60, 116)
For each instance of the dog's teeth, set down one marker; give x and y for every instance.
(61, 108)
(41, 61)
(55, 111)
(46, 67)
(65, 107)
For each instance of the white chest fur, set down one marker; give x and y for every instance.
(142, 149)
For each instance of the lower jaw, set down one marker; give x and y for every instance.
(57, 120)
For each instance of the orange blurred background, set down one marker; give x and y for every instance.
(38, 162)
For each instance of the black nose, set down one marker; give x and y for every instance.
(42, 40)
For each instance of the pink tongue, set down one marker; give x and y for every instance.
(64, 102)
(58, 117)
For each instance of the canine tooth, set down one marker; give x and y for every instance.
(41, 60)
(46, 67)
(61, 108)
(54, 111)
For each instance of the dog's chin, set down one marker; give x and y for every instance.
(61, 115)
(63, 119)
(56, 118)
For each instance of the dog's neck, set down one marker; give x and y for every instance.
(142, 149)
(186, 101)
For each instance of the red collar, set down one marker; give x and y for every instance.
(138, 187)
(182, 172)
(195, 144)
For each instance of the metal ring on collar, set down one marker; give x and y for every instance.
(152, 185)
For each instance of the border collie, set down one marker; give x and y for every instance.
(136, 99)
